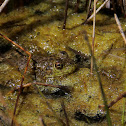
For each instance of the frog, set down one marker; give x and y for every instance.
(53, 66)
(48, 68)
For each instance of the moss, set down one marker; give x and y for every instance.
(38, 28)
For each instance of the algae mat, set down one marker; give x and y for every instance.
(38, 29)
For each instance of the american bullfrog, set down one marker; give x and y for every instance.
(53, 66)
(47, 68)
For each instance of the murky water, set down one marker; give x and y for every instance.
(38, 29)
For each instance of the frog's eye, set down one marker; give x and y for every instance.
(59, 65)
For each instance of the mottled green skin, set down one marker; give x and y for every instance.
(53, 66)
(46, 66)
(49, 69)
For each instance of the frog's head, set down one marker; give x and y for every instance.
(52, 69)
(62, 65)
(54, 66)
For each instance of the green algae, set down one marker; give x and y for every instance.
(42, 32)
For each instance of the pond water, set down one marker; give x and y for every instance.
(38, 29)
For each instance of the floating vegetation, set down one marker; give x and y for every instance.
(48, 72)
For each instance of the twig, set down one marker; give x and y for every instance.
(65, 17)
(10, 114)
(3, 5)
(65, 88)
(93, 36)
(21, 86)
(120, 28)
(88, 10)
(96, 12)
(114, 101)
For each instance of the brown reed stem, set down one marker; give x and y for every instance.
(65, 88)
(21, 86)
(65, 17)
(3, 5)
(96, 12)
(93, 36)
(120, 28)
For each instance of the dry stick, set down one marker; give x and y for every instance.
(65, 17)
(3, 5)
(93, 36)
(66, 88)
(114, 101)
(96, 12)
(21, 86)
(5, 105)
(120, 28)
(20, 90)
(15, 44)
(88, 10)
(117, 99)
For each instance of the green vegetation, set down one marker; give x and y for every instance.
(38, 29)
